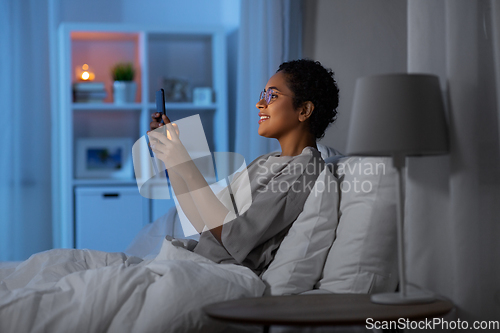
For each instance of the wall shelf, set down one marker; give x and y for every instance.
(106, 106)
(196, 55)
(103, 182)
(184, 106)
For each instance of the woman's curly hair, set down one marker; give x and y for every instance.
(310, 81)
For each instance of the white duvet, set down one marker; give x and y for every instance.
(90, 291)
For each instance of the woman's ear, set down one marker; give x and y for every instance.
(306, 111)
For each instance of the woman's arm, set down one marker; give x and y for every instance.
(189, 184)
(186, 202)
(200, 197)
(179, 186)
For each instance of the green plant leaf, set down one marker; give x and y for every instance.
(123, 72)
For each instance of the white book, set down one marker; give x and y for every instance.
(89, 100)
(86, 86)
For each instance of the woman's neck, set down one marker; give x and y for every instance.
(293, 145)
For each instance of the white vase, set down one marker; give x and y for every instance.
(124, 92)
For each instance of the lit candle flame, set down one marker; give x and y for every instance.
(85, 76)
(84, 73)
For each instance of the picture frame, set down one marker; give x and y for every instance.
(202, 96)
(176, 89)
(108, 158)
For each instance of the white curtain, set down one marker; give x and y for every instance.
(270, 33)
(25, 189)
(453, 201)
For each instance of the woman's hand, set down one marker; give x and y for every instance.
(166, 144)
(156, 121)
(154, 124)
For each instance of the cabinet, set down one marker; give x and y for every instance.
(107, 218)
(192, 55)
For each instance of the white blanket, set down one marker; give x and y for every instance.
(66, 290)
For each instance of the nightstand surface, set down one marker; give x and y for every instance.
(319, 310)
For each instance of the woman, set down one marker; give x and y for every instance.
(296, 106)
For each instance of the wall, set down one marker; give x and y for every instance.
(452, 200)
(225, 13)
(156, 13)
(152, 13)
(355, 38)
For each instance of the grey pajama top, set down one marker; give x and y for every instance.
(279, 186)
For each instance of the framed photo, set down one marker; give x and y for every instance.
(202, 96)
(176, 89)
(104, 158)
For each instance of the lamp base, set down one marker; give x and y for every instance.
(414, 297)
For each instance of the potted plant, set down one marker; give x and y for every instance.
(124, 87)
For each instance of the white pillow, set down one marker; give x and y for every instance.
(363, 258)
(327, 152)
(299, 261)
(147, 243)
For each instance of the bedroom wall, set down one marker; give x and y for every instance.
(355, 38)
(30, 27)
(224, 13)
(151, 12)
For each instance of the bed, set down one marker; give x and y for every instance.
(343, 242)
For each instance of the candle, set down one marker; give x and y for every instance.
(84, 73)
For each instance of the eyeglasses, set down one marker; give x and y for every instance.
(269, 96)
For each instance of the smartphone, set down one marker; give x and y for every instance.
(160, 108)
(160, 103)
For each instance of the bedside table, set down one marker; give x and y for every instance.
(319, 310)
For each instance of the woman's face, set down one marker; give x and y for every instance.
(279, 117)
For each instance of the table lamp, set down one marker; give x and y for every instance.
(398, 115)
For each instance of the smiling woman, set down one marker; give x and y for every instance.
(123, 293)
(303, 97)
(278, 113)
(296, 106)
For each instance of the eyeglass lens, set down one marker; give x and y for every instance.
(266, 95)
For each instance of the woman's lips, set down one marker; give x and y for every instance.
(263, 118)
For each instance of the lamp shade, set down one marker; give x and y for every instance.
(398, 114)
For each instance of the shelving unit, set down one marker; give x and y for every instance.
(197, 55)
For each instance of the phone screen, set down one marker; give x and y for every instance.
(160, 103)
